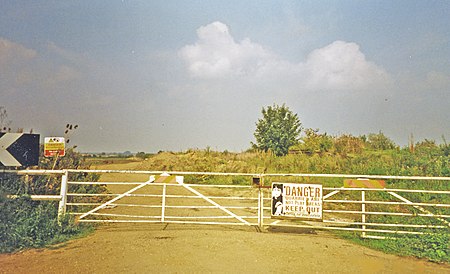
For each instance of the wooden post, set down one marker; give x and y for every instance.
(56, 160)
(27, 182)
(261, 204)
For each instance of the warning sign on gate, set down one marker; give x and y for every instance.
(54, 146)
(297, 201)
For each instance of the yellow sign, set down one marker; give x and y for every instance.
(54, 146)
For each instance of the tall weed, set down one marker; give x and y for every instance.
(25, 223)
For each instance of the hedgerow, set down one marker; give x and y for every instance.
(25, 223)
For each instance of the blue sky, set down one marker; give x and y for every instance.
(173, 75)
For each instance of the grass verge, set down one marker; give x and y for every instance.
(29, 224)
(434, 247)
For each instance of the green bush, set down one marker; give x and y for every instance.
(25, 223)
(433, 246)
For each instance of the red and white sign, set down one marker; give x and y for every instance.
(54, 146)
(364, 183)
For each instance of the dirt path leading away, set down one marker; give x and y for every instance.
(156, 248)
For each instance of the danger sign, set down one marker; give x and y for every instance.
(54, 146)
(297, 200)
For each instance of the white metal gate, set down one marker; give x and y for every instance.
(167, 198)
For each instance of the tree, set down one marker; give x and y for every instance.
(315, 142)
(346, 144)
(380, 141)
(277, 130)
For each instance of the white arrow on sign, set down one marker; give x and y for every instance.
(5, 141)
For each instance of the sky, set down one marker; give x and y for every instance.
(174, 75)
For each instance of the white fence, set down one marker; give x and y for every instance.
(169, 199)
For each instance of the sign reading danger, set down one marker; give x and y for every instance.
(54, 146)
(297, 200)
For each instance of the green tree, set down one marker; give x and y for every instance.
(277, 130)
(347, 143)
(315, 142)
(380, 141)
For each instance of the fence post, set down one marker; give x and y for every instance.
(363, 210)
(163, 204)
(63, 194)
(261, 208)
(261, 204)
(27, 183)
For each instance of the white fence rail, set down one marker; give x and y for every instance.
(346, 209)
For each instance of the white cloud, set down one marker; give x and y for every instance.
(341, 65)
(61, 75)
(11, 52)
(217, 55)
(338, 66)
(15, 70)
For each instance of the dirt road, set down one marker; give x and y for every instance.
(156, 248)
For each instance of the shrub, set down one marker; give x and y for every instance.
(25, 223)
(434, 246)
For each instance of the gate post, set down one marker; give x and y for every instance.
(260, 203)
(261, 209)
(163, 204)
(363, 210)
(63, 194)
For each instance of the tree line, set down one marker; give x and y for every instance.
(279, 131)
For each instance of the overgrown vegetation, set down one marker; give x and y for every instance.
(434, 247)
(317, 153)
(374, 154)
(25, 223)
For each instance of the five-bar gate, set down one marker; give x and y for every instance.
(167, 198)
